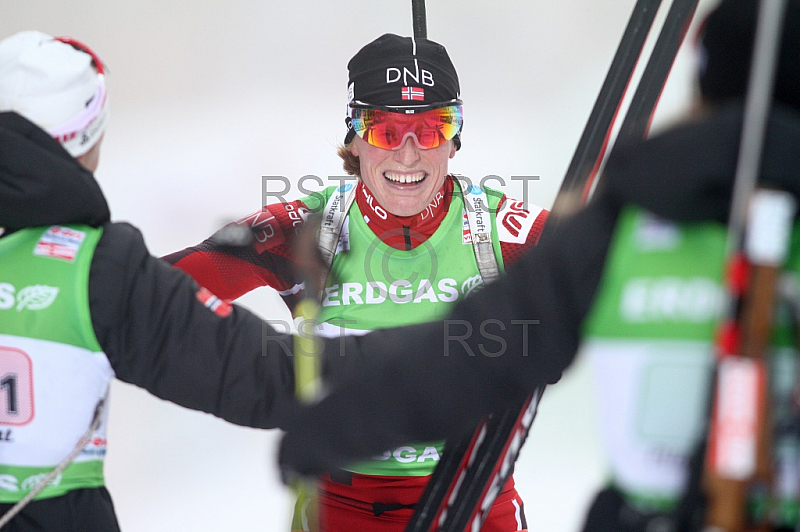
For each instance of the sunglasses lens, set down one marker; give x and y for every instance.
(387, 129)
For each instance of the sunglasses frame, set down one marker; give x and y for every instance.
(407, 111)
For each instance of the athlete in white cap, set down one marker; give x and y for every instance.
(43, 79)
(82, 302)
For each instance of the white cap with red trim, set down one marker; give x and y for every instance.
(56, 84)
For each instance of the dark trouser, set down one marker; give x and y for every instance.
(82, 510)
(610, 513)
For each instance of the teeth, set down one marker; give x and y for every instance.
(404, 178)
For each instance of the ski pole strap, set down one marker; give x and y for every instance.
(476, 205)
(47, 479)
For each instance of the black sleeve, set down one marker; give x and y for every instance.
(158, 335)
(437, 380)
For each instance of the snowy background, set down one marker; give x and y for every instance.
(208, 96)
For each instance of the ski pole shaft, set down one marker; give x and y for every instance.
(307, 358)
(643, 104)
(757, 106)
(457, 493)
(593, 142)
(740, 440)
(419, 19)
(739, 446)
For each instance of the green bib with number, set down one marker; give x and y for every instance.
(53, 372)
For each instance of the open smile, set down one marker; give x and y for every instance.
(405, 178)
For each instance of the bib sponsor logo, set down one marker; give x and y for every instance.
(515, 222)
(8, 483)
(408, 455)
(377, 209)
(671, 299)
(402, 291)
(344, 237)
(333, 209)
(473, 284)
(60, 243)
(466, 234)
(35, 297)
(656, 234)
(477, 213)
(419, 76)
(11, 483)
(32, 481)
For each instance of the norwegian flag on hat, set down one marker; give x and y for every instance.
(412, 93)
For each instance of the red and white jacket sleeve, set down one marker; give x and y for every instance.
(230, 271)
(519, 227)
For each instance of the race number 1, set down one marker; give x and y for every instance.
(16, 387)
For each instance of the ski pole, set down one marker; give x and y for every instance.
(588, 156)
(45, 481)
(307, 359)
(464, 484)
(639, 115)
(739, 439)
(419, 19)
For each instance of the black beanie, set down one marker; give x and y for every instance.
(402, 73)
(726, 44)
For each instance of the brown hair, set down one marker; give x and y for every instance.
(350, 162)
